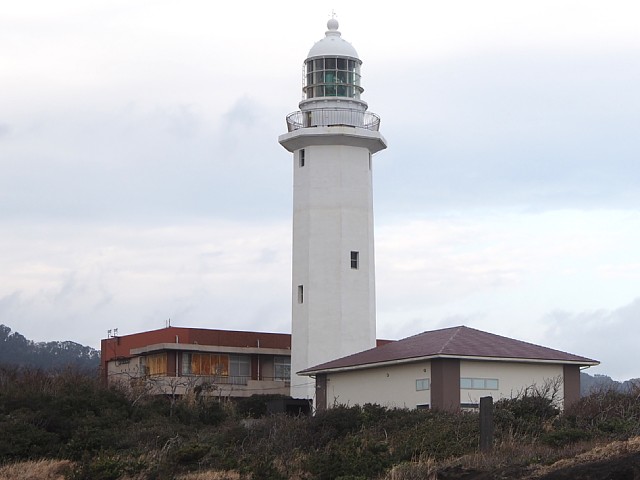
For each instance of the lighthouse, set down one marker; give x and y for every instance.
(332, 138)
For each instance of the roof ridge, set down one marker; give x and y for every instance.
(457, 330)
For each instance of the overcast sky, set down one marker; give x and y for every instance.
(141, 178)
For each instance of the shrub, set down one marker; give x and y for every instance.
(529, 414)
(256, 406)
(104, 466)
(190, 453)
(607, 412)
(353, 456)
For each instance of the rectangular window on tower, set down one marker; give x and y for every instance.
(301, 157)
(355, 260)
(300, 294)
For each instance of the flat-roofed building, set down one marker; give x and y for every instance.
(175, 360)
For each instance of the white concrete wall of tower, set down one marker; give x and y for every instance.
(333, 216)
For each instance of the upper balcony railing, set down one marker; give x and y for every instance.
(333, 117)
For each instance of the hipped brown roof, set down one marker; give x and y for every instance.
(454, 342)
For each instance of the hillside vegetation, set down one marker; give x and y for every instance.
(87, 431)
(15, 349)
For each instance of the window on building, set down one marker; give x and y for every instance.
(282, 368)
(301, 157)
(209, 364)
(355, 259)
(479, 383)
(369, 161)
(423, 406)
(422, 384)
(300, 294)
(156, 364)
(239, 369)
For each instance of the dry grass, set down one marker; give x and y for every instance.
(212, 475)
(36, 470)
(423, 468)
(518, 453)
(595, 454)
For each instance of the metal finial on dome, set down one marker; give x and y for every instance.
(332, 24)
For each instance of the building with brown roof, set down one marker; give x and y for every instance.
(176, 360)
(447, 369)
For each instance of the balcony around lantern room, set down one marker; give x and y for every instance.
(333, 117)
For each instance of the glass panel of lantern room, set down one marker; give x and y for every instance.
(342, 63)
(330, 63)
(318, 64)
(330, 83)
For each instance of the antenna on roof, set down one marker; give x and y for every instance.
(168, 323)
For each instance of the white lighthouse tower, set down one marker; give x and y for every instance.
(332, 139)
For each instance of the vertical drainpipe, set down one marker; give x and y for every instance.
(177, 341)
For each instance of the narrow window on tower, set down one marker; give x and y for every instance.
(301, 157)
(300, 294)
(355, 260)
(369, 161)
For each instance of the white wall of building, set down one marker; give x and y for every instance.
(513, 378)
(393, 386)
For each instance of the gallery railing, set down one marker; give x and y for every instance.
(332, 117)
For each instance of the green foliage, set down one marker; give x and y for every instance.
(564, 436)
(16, 350)
(191, 453)
(529, 414)
(337, 421)
(71, 415)
(608, 413)
(105, 466)
(256, 406)
(436, 434)
(354, 456)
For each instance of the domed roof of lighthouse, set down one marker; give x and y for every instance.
(333, 44)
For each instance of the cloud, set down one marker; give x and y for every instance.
(505, 273)
(531, 129)
(609, 336)
(137, 163)
(83, 280)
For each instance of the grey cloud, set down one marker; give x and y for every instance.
(536, 130)
(605, 335)
(137, 165)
